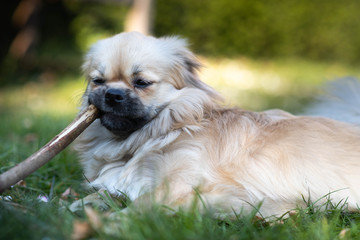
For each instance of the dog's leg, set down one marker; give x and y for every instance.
(97, 200)
(172, 197)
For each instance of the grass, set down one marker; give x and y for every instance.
(32, 114)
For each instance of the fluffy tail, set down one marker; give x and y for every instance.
(340, 101)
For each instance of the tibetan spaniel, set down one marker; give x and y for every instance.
(164, 136)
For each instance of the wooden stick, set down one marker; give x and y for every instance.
(50, 150)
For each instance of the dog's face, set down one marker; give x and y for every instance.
(133, 77)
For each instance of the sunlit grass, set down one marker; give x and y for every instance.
(59, 97)
(282, 83)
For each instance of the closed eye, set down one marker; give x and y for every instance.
(141, 83)
(98, 81)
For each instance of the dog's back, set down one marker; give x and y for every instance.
(276, 158)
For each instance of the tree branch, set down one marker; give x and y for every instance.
(50, 150)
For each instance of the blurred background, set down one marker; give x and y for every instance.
(259, 54)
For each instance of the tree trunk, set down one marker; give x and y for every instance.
(140, 17)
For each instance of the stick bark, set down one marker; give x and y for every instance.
(50, 150)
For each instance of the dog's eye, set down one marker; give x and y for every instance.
(98, 81)
(141, 83)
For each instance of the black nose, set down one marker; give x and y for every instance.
(114, 96)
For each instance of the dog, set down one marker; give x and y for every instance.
(164, 136)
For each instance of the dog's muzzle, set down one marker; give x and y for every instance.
(120, 112)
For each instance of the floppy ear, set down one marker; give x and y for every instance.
(186, 66)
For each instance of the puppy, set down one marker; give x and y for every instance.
(164, 136)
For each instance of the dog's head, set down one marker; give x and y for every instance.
(133, 77)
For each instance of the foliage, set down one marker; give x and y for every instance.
(319, 30)
(94, 21)
(64, 31)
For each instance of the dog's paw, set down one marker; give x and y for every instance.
(95, 200)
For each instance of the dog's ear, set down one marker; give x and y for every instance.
(186, 66)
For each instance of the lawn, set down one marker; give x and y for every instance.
(36, 209)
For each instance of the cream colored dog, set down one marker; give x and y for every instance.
(163, 135)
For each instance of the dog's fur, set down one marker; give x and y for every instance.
(166, 135)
